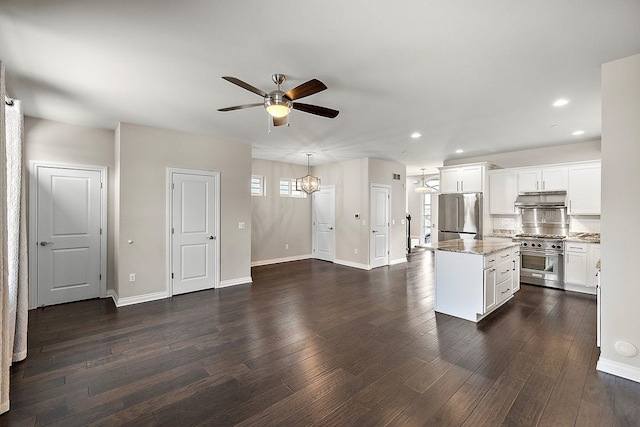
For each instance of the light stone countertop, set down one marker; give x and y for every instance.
(468, 246)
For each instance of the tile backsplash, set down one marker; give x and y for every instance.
(584, 224)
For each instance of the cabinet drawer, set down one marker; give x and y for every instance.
(504, 271)
(490, 261)
(503, 290)
(576, 247)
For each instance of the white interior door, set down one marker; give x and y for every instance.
(68, 215)
(323, 225)
(379, 242)
(195, 219)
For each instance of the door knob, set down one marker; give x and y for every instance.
(374, 231)
(211, 237)
(330, 228)
(46, 243)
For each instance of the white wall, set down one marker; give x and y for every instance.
(566, 153)
(619, 218)
(55, 142)
(144, 155)
(279, 221)
(352, 180)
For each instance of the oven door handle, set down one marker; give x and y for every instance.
(525, 252)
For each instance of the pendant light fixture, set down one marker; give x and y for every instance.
(425, 188)
(308, 183)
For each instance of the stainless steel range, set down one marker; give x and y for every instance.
(541, 259)
(545, 225)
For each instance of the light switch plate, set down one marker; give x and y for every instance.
(241, 225)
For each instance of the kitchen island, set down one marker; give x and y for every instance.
(475, 277)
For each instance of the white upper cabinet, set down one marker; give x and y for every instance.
(503, 190)
(465, 179)
(584, 189)
(543, 179)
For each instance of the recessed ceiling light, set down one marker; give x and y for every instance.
(560, 102)
(459, 151)
(415, 135)
(578, 132)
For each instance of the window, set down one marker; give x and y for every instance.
(257, 185)
(288, 188)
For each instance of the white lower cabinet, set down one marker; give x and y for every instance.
(580, 265)
(489, 289)
(471, 285)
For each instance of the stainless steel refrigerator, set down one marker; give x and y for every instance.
(460, 216)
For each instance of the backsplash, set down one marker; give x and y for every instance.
(584, 224)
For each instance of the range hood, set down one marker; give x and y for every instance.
(541, 199)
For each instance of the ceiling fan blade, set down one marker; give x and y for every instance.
(246, 86)
(280, 121)
(240, 107)
(316, 109)
(306, 89)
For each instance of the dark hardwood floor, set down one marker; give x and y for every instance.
(312, 343)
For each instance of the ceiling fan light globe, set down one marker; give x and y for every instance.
(278, 110)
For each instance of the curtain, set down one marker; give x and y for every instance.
(14, 264)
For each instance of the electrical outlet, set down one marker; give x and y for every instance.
(286, 246)
(355, 251)
(132, 277)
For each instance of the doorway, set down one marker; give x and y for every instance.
(379, 238)
(323, 223)
(194, 229)
(68, 249)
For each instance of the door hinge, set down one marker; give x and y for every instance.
(101, 231)
(99, 276)
(173, 186)
(172, 230)
(387, 252)
(172, 275)
(101, 186)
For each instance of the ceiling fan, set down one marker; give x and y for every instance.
(279, 104)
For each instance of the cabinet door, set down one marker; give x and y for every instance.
(575, 268)
(489, 289)
(471, 179)
(584, 190)
(449, 181)
(516, 269)
(554, 179)
(529, 180)
(503, 190)
(592, 271)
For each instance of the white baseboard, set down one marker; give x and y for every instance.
(580, 289)
(398, 261)
(619, 369)
(237, 281)
(353, 264)
(279, 260)
(121, 302)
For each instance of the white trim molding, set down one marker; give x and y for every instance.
(279, 260)
(353, 264)
(121, 302)
(619, 369)
(398, 261)
(234, 282)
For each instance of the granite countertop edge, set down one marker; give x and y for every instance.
(478, 247)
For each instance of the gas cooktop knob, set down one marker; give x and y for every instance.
(525, 244)
(553, 246)
(539, 245)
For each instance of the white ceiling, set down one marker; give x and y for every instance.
(469, 74)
